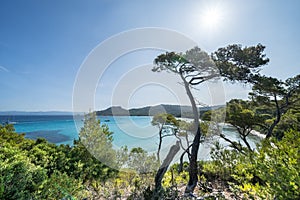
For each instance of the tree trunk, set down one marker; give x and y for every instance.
(234, 145)
(193, 168)
(277, 120)
(160, 142)
(244, 138)
(163, 168)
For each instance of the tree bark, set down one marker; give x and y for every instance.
(160, 142)
(180, 167)
(277, 120)
(163, 168)
(234, 145)
(244, 138)
(193, 167)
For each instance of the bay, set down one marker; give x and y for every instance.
(132, 131)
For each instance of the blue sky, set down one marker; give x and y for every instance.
(44, 42)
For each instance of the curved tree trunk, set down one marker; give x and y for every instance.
(163, 168)
(193, 167)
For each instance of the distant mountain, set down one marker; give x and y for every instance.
(15, 113)
(115, 110)
(176, 110)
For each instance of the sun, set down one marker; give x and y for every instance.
(211, 18)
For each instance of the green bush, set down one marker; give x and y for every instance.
(270, 172)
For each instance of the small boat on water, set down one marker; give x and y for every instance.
(106, 120)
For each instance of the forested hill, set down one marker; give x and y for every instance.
(176, 110)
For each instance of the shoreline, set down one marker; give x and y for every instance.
(258, 134)
(253, 132)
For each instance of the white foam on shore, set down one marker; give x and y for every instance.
(253, 132)
(258, 134)
(185, 119)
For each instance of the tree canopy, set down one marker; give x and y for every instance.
(237, 63)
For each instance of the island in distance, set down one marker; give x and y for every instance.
(176, 110)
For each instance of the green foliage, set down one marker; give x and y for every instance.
(62, 186)
(276, 97)
(241, 115)
(194, 66)
(217, 116)
(98, 140)
(239, 64)
(20, 179)
(267, 86)
(83, 165)
(223, 161)
(173, 178)
(290, 119)
(164, 119)
(40, 170)
(7, 134)
(272, 171)
(140, 161)
(278, 163)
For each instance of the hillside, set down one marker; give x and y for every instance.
(176, 110)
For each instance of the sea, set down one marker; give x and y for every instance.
(130, 131)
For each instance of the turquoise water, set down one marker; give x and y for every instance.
(133, 131)
(130, 131)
